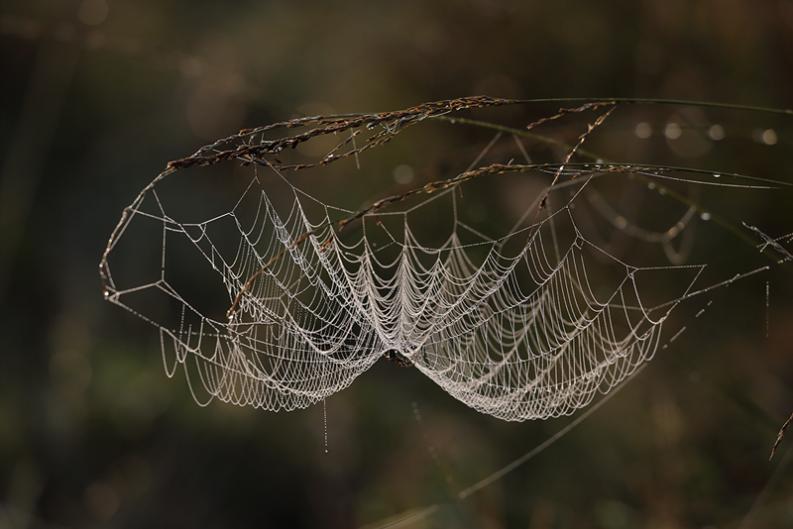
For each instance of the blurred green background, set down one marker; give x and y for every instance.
(97, 95)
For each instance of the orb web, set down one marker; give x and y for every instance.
(514, 325)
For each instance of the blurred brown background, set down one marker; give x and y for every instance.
(96, 95)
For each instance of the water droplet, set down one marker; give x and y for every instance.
(643, 130)
(673, 131)
(716, 175)
(705, 216)
(716, 132)
(403, 174)
(769, 137)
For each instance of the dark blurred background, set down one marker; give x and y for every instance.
(96, 95)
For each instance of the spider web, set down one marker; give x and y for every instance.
(515, 325)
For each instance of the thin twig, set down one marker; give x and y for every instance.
(780, 436)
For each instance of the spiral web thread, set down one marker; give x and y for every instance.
(516, 334)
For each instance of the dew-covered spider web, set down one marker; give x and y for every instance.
(518, 312)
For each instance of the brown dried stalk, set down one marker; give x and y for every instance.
(581, 139)
(566, 111)
(780, 436)
(243, 145)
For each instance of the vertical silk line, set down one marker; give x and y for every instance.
(767, 307)
(325, 423)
